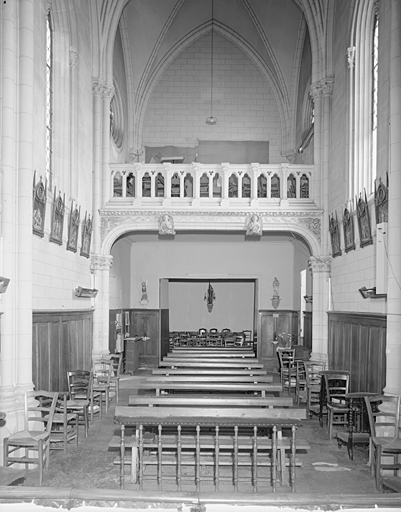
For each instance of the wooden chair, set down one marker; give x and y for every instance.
(313, 387)
(337, 386)
(300, 381)
(82, 397)
(101, 380)
(384, 413)
(202, 330)
(64, 429)
(213, 330)
(36, 434)
(247, 337)
(287, 368)
(116, 360)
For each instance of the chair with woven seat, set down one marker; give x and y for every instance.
(286, 358)
(336, 387)
(81, 397)
(300, 381)
(313, 374)
(384, 413)
(64, 429)
(102, 370)
(116, 360)
(39, 409)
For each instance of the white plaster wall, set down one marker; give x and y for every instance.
(263, 260)
(56, 271)
(243, 101)
(356, 269)
(233, 307)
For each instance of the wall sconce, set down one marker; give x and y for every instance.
(86, 293)
(308, 299)
(370, 293)
(3, 284)
(210, 296)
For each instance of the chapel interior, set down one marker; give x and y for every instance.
(198, 175)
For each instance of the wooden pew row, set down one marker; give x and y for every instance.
(213, 401)
(206, 355)
(207, 378)
(259, 448)
(208, 371)
(212, 350)
(237, 387)
(202, 363)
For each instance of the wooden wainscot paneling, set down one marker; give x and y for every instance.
(357, 343)
(271, 322)
(62, 341)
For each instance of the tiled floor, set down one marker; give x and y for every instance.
(326, 468)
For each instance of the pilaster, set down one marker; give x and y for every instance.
(320, 268)
(393, 375)
(100, 268)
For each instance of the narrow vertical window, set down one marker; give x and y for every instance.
(375, 78)
(49, 98)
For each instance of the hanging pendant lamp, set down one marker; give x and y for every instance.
(211, 120)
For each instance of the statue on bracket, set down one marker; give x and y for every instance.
(362, 212)
(73, 227)
(39, 206)
(86, 236)
(349, 235)
(166, 224)
(56, 234)
(276, 296)
(335, 236)
(254, 226)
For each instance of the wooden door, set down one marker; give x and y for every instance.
(145, 322)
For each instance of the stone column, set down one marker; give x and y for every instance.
(100, 269)
(107, 95)
(320, 268)
(73, 123)
(24, 209)
(393, 375)
(8, 179)
(97, 87)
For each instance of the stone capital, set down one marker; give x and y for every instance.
(100, 262)
(322, 88)
(320, 264)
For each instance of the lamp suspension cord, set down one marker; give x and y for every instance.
(211, 71)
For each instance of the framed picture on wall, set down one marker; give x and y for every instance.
(86, 236)
(335, 236)
(73, 227)
(349, 234)
(362, 212)
(39, 206)
(57, 225)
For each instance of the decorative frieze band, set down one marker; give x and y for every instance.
(309, 220)
(100, 262)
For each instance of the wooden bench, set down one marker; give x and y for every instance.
(208, 371)
(237, 387)
(262, 447)
(202, 363)
(208, 355)
(213, 350)
(207, 378)
(213, 401)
